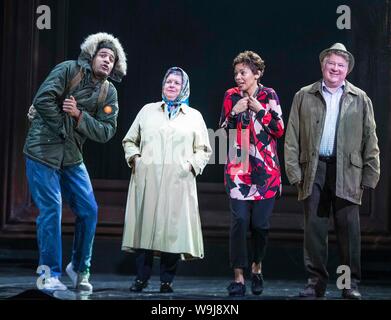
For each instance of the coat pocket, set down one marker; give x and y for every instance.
(184, 169)
(138, 174)
(136, 165)
(356, 160)
(303, 158)
(139, 165)
(303, 162)
(353, 176)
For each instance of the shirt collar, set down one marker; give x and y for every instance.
(325, 88)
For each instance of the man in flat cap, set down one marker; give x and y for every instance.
(76, 102)
(332, 155)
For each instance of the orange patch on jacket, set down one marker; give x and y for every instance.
(108, 109)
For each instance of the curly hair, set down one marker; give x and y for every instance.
(252, 60)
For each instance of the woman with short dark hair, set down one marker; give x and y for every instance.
(252, 173)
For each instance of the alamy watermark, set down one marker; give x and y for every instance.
(45, 273)
(232, 143)
(344, 21)
(45, 17)
(344, 281)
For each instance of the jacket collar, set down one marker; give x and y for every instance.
(182, 107)
(349, 88)
(88, 71)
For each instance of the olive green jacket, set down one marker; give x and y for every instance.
(55, 138)
(357, 151)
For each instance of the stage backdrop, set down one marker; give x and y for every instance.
(203, 37)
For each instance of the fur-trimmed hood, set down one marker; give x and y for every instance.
(88, 50)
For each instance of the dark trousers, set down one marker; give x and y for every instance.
(316, 224)
(168, 265)
(254, 216)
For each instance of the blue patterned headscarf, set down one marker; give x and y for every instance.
(183, 97)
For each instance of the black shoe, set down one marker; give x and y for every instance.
(138, 285)
(352, 294)
(257, 283)
(165, 287)
(236, 289)
(312, 291)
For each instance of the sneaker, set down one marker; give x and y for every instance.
(79, 279)
(165, 287)
(138, 285)
(257, 283)
(53, 284)
(352, 294)
(236, 289)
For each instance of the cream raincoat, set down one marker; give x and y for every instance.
(162, 207)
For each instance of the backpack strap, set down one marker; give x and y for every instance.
(75, 81)
(72, 84)
(104, 89)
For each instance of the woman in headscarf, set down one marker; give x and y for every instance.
(252, 172)
(167, 146)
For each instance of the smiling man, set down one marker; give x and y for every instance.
(76, 102)
(332, 155)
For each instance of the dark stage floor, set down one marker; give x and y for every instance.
(20, 284)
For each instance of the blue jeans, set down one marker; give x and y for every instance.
(48, 186)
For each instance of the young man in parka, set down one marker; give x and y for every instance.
(76, 102)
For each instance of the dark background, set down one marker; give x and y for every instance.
(203, 37)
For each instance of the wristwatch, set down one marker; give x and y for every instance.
(233, 113)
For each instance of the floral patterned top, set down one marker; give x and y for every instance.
(252, 171)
